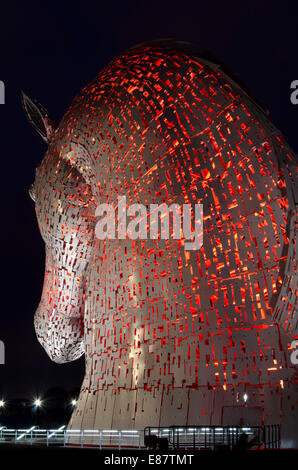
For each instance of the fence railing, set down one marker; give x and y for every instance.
(162, 438)
(213, 437)
(64, 437)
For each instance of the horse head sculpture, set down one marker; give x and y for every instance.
(170, 336)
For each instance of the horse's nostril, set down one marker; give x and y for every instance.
(32, 192)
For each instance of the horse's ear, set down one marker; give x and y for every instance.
(38, 116)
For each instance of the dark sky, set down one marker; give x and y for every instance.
(51, 50)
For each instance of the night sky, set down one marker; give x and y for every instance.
(51, 50)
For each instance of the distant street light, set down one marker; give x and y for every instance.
(2, 403)
(38, 402)
(74, 402)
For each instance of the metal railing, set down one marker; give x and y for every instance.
(64, 437)
(213, 437)
(174, 437)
